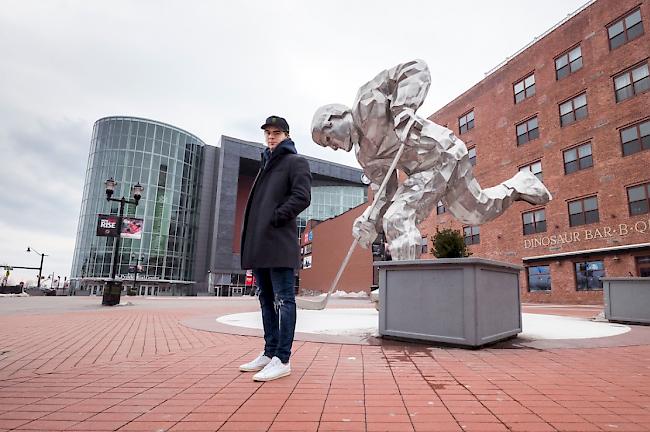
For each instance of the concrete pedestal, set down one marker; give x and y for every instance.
(461, 301)
(627, 299)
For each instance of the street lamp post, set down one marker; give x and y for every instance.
(136, 270)
(112, 294)
(40, 268)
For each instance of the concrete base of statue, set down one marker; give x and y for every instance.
(468, 302)
(627, 299)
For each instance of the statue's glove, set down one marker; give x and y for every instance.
(364, 231)
(406, 123)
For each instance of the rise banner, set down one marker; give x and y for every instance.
(107, 225)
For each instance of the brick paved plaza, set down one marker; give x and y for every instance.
(69, 364)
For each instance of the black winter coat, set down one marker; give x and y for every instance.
(282, 189)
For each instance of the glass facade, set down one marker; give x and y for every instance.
(330, 201)
(166, 161)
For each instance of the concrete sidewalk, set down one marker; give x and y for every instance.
(69, 364)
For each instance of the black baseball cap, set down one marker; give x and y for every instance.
(278, 122)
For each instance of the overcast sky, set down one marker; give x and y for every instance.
(211, 68)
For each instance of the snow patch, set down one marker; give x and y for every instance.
(343, 294)
(365, 321)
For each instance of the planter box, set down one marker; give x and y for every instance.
(461, 301)
(627, 299)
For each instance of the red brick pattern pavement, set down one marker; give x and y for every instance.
(138, 369)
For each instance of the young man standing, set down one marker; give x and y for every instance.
(270, 246)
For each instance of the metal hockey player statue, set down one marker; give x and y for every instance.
(383, 128)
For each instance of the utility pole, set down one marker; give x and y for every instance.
(39, 268)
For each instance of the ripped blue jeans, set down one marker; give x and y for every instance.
(278, 303)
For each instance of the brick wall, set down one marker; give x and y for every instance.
(499, 157)
(331, 241)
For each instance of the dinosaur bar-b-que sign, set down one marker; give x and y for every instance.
(602, 232)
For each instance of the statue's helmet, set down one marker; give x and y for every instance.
(332, 127)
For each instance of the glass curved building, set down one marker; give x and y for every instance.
(192, 207)
(166, 161)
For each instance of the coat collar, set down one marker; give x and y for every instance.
(287, 146)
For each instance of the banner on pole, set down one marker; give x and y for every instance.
(131, 228)
(107, 225)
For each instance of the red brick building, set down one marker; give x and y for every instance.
(324, 247)
(574, 108)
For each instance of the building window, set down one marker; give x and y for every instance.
(472, 155)
(524, 88)
(631, 82)
(638, 198)
(330, 201)
(535, 168)
(534, 221)
(578, 158)
(466, 122)
(440, 209)
(626, 29)
(583, 211)
(588, 275)
(568, 63)
(636, 138)
(642, 266)
(424, 244)
(539, 278)
(472, 235)
(573, 110)
(527, 131)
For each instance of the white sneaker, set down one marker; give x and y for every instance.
(274, 370)
(255, 365)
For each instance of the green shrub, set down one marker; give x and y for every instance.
(449, 243)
